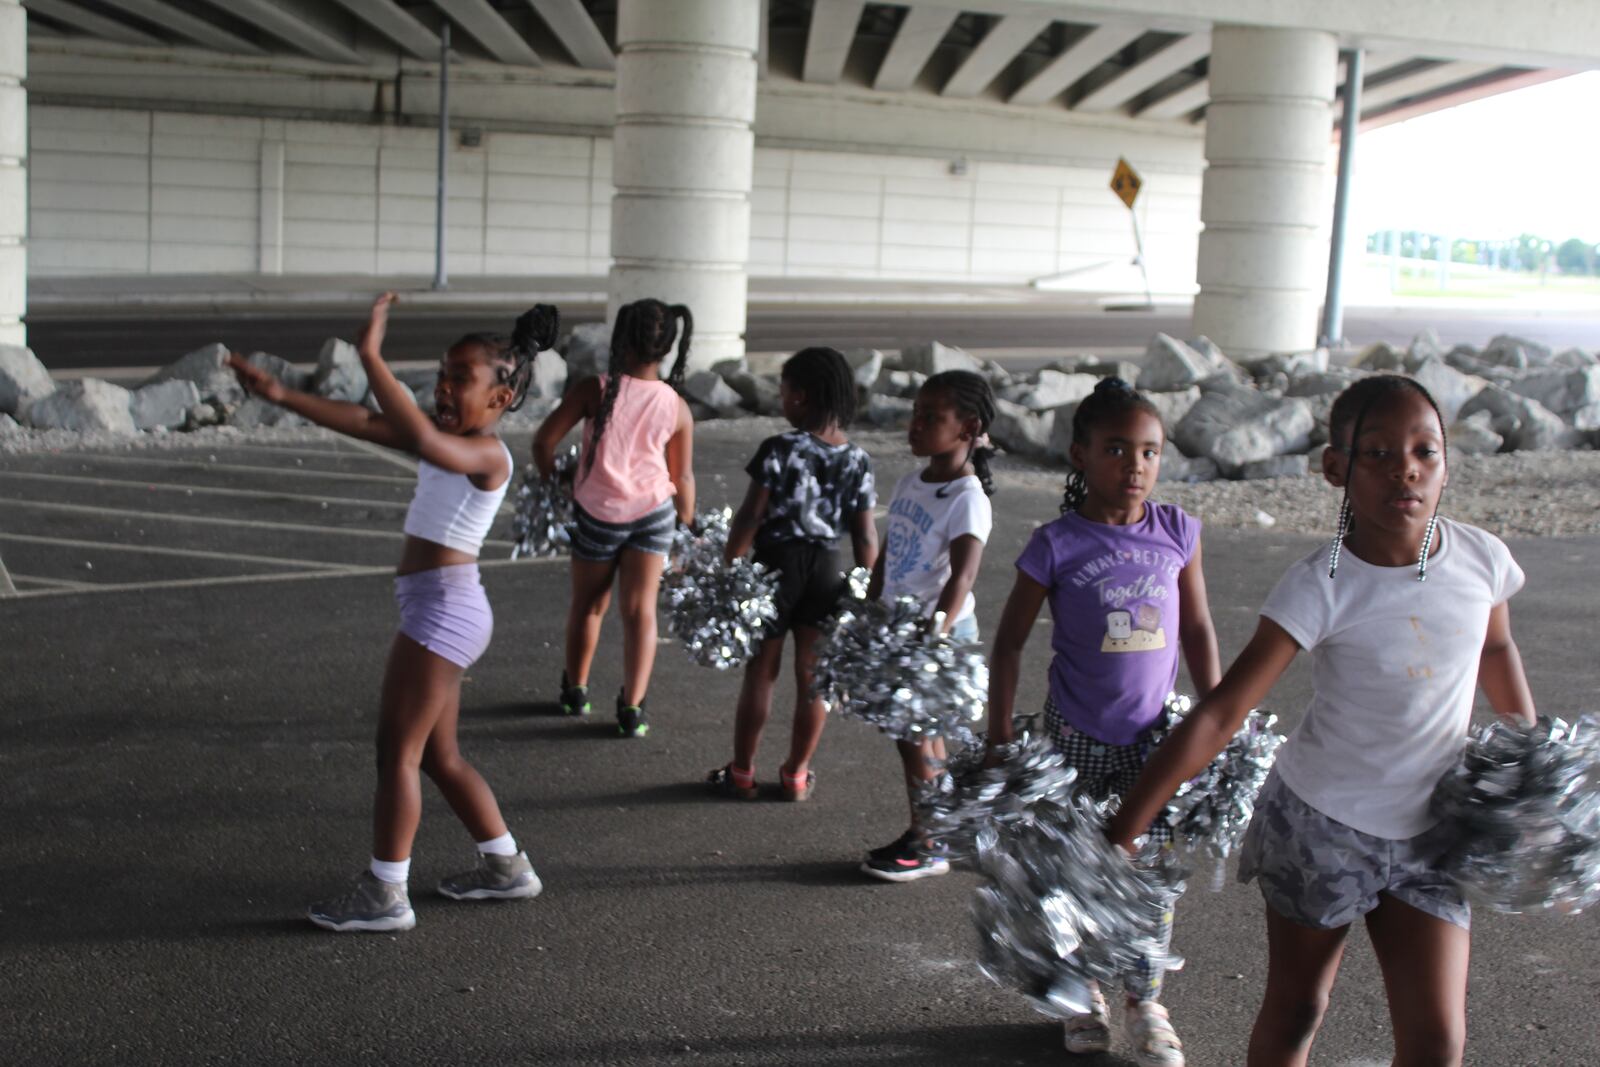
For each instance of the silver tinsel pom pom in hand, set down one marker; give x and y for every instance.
(1064, 907)
(883, 663)
(542, 511)
(1524, 806)
(1212, 810)
(718, 610)
(968, 797)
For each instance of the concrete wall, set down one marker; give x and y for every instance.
(148, 191)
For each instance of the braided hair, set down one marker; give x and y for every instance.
(969, 393)
(535, 330)
(825, 377)
(1345, 419)
(644, 333)
(1111, 398)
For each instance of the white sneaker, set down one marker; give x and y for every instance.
(1091, 1031)
(1155, 1043)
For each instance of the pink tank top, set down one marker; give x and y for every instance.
(629, 478)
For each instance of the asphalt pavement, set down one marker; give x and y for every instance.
(190, 686)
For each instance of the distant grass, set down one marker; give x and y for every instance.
(1469, 281)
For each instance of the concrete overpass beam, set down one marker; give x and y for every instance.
(1136, 79)
(490, 29)
(915, 43)
(91, 23)
(682, 160)
(13, 172)
(397, 24)
(1093, 49)
(1262, 252)
(288, 26)
(575, 29)
(184, 24)
(1004, 42)
(833, 29)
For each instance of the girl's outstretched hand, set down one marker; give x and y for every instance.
(378, 321)
(255, 380)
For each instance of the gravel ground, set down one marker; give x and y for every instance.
(1518, 494)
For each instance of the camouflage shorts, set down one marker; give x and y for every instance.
(1318, 872)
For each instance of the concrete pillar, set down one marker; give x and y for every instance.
(1263, 252)
(13, 172)
(681, 162)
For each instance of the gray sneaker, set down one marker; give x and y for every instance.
(371, 905)
(494, 878)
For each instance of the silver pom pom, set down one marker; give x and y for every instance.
(718, 610)
(1064, 907)
(1212, 810)
(542, 514)
(968, 797)
(886, 664)
(1524, 806)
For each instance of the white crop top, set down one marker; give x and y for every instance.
(449, 510)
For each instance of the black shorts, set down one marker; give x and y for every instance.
(810, 583)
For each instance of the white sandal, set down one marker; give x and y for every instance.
(1091, 1031)
(1155, 1044)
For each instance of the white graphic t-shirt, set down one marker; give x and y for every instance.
(924, 518)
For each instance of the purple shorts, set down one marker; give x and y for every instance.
(446, 612)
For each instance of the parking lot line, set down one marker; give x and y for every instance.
(244, 468)
(7, 587)
(116, 546)
(208, 490)
(242, 579)
(388, 454)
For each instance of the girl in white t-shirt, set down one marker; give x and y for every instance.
(1404, 614)
(939, 520)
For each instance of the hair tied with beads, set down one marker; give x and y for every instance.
(1113, 384)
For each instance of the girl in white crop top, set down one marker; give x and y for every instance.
(462, 474)
(1405, 614)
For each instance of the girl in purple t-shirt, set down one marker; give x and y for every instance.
(1126, 591)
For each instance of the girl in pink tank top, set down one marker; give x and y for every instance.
(634, 483)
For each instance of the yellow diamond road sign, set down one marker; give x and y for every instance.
(1125, 182)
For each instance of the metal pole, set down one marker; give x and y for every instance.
(1138, 245)
(1332, 331)
(441, 279)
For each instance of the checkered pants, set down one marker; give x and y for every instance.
(1106, 771)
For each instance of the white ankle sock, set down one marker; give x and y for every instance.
(504, 845)
(396, 872)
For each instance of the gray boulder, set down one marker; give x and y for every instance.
(866, 364)
(999, 377)
(1288, 364)
(1045, 389)
(202, 415)
(587, 351)
(207, 369)
(1332, 381)
(1475, 436)
(1174, 405)
(549, 375)
(86, 405)
(1524, 423)
(1381, 356)
(1574, 358)
(165, 404)
(339, 374)
(1171, 364)
(1290, 466)
(900, 383)
(887, 411)
(1423, 345)
(758, 393)
(1177, 467)
(1516, 352)
(23, 379)
(708, 389)
(1562, 391)
(1019, 429)
(9, 427)
(281, 369)
(931, 357)
(1450, 387)
(1235, 428)
(256, 412)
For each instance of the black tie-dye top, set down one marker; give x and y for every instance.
(816, 488)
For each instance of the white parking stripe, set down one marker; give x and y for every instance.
(211, 520)
(397, 458)
(246, 468)
(7, 587)
(58, 583)
(207, 490)
(249, 579)
(120, 546)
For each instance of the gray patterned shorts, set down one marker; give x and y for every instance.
(1318, 872)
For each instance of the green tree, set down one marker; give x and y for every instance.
(1575, 257)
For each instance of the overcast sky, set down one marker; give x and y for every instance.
(1525, 161)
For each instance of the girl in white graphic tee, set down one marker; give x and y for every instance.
(939, 520)
(1404, 615)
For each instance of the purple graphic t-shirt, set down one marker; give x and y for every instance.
(1114, 599)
